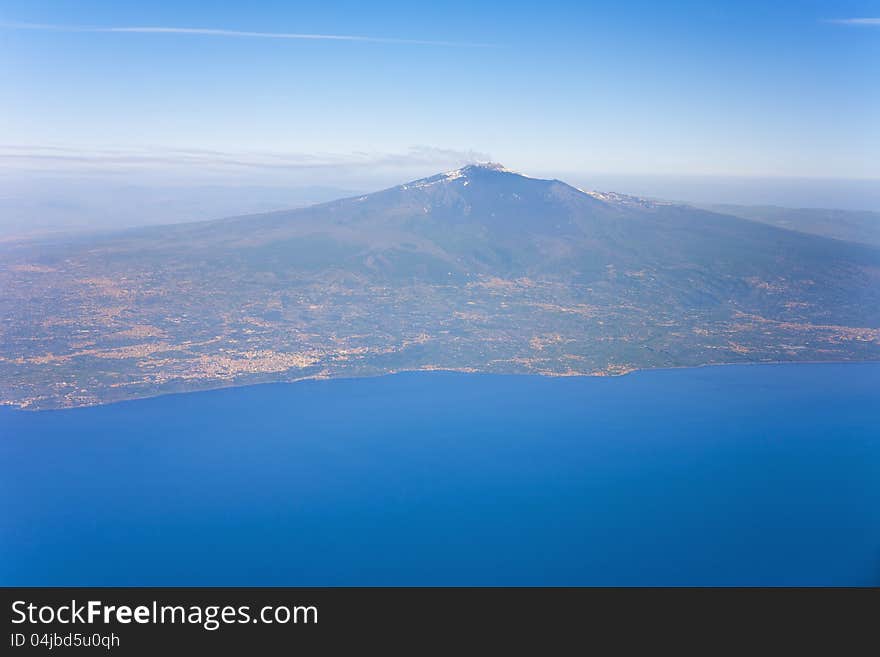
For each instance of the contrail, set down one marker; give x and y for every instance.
(205, 31)
(856, 21)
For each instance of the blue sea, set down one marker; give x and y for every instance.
(735, 475)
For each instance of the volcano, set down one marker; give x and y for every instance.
(478, 269)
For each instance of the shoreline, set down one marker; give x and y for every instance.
(16, 408)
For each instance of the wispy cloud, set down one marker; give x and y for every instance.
(58, 158)
(205, 31)
(856, 21)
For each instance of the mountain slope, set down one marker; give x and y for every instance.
(850, 225)
(478, 269)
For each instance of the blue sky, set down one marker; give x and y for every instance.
(563, 88)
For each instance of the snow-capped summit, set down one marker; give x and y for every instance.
(464, 172)
(489, 166)
(496, 181)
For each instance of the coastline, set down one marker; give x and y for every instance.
(48, 409)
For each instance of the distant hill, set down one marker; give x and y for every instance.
(50, 206)
(477, 269)
(850, 225)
